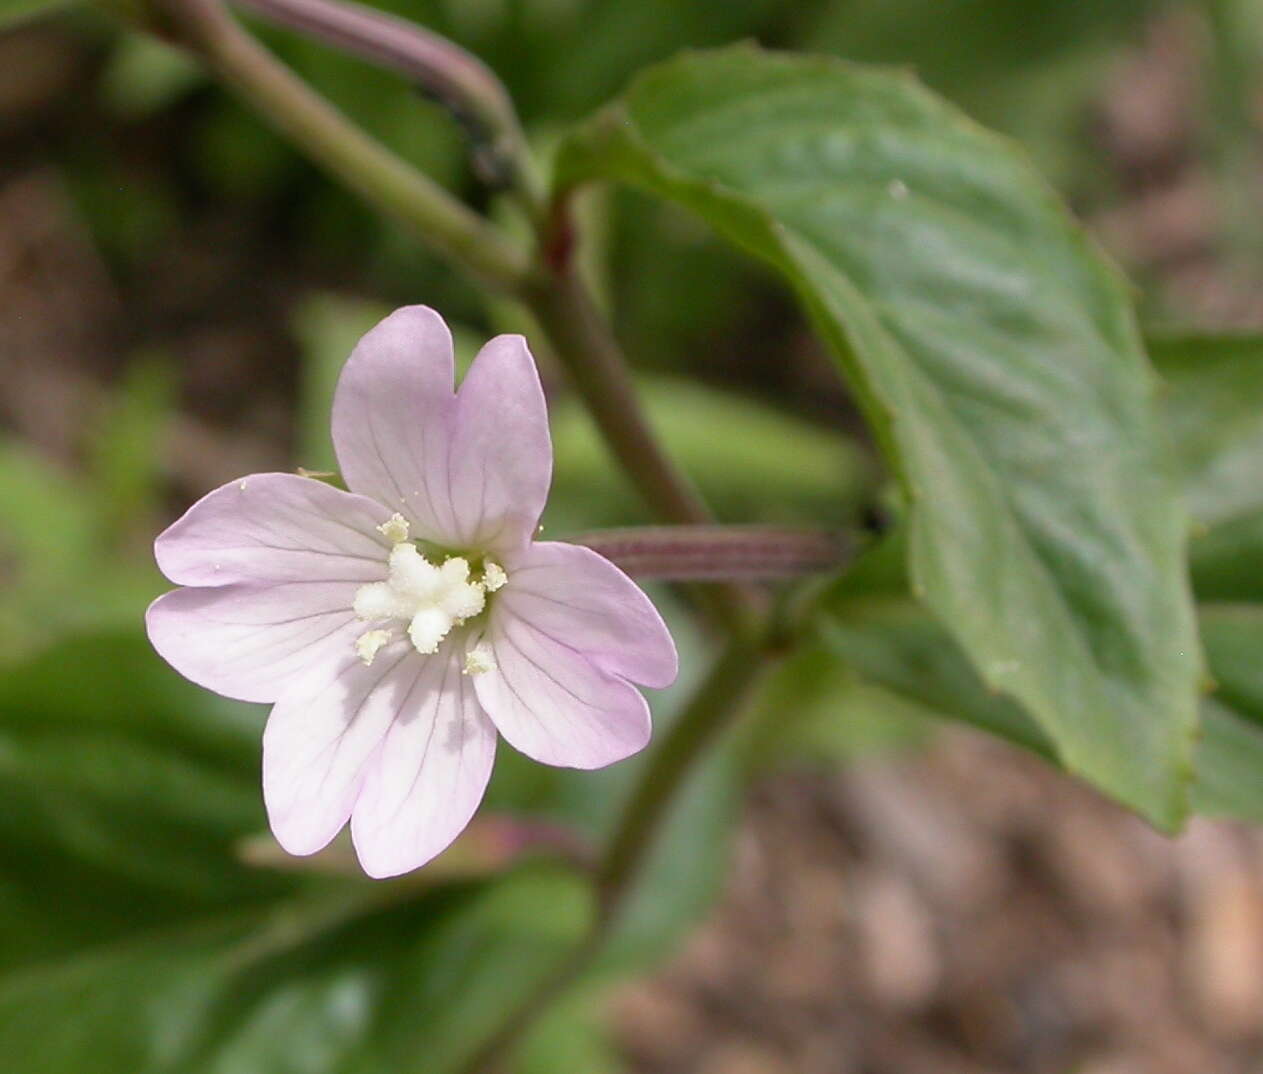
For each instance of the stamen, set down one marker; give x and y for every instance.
(493, 576)
(368, 644)
(479, 660)
(394, 529)
(431, 599)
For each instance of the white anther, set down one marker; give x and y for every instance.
(493, 576)
(479, 660)
(394, 529)
(368, 644)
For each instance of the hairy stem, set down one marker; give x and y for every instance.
(702, 553)
(713, 707)
(356, 159)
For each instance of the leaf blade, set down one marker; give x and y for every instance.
(995, 355)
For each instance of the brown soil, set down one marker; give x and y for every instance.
(964, 911)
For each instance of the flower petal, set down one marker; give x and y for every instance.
(392, 416)
(322, 738)
(553, 704)
(430, 773)
(580, 598)
(250, 641)
(274, 528)
(502, 456)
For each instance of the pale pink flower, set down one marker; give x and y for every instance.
(399, 626)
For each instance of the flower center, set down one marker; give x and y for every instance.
(430, 597)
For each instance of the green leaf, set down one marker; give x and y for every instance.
(335, 985)
(1213, 388)
(16, 11)
(61, 572)
(815, 709)
(135, 936)
(122, 792)
(1031, 69)
(1229, 763)
(126, 448)
(995, 354)
(145, 75)
(898, 645)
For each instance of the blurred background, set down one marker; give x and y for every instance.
(178, 290)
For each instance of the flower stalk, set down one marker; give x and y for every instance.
(718, 553)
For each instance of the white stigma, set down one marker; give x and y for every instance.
(430, 598)
(479, 660)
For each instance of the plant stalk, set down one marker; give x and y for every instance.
(356, 159)
(592, 358)
(457, 79)
(553, 292)
(714, 707)
(718, 553)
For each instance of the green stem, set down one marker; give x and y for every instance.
(595, 364)
(713, 707)
(359, 161)
(592, 358)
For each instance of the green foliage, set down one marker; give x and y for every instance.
(1212, 416)
(897, 644)
(996, 356)
(1030, 69)
(127, 447)
(134, 935)
(59, 544)
(816, 710)
(17, 11)
(1213, 390)
(992, 351)
(751, 462)
(145, 75)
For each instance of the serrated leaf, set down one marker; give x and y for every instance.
(995, 354)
